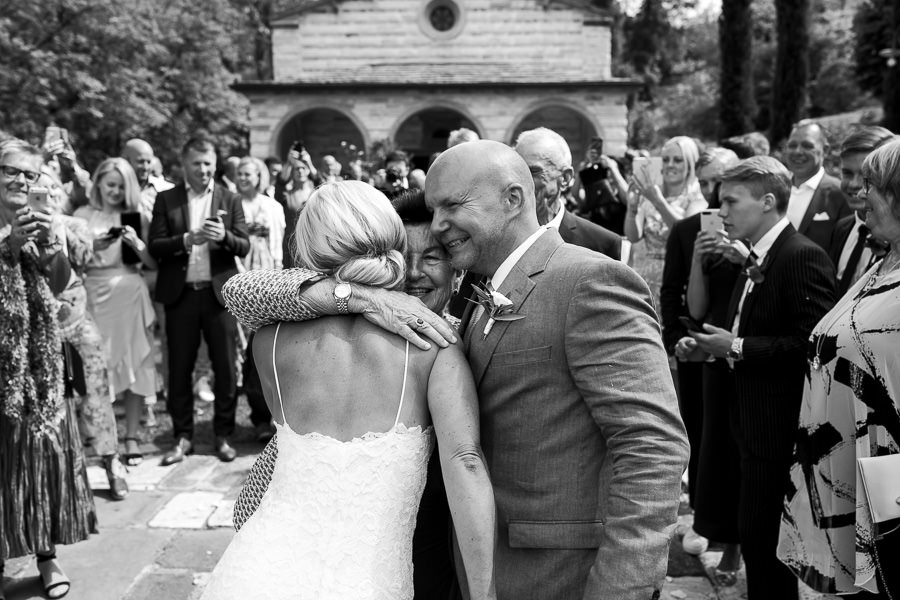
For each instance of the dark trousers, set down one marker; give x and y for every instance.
(690, 401)
(259, 410)
(763, 486)
(196, 312)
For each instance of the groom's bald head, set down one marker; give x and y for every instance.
(482, 195)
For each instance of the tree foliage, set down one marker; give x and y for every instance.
(736, 104)
(791, 66)
(108, 71)
(877, 27)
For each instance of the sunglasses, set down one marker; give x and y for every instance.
(13, 173)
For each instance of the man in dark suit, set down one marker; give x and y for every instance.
(853, 250)
(673, 305)
(196, 232)
(817, 202)
(787, 288)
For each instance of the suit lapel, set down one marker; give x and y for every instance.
(517, 287)
(814, 208)
(216, 202)
(185, 208)
(770, 258)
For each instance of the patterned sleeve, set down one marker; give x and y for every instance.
(262, 297)
(256, 484)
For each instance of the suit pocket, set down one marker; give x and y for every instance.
(521, 357)
(555, 534)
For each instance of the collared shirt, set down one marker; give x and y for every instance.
(864, 258)
(507, 265)
(556, 221)
(199, 205)
(149, 191)
(760, 249)
(801, 196)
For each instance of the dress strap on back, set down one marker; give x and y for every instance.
(403, 389)
(275, 372)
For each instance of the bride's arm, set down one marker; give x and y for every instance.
(454, 411)
(263, 297)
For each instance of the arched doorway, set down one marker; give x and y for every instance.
(426, 132)
(567, 122)
(323, 131)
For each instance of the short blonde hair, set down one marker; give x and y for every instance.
(349, 229)
(132, 187)
(882, 167)
(261, 169)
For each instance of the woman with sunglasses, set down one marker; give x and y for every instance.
(851, 410)
(45, 498)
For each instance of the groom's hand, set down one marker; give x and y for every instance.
(401, 314)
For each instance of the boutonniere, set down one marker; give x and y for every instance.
(497, 306)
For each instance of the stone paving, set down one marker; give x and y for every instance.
(164, 540)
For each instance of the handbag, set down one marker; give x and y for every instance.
(880, 477)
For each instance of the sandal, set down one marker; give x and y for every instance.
(56, 583)
(724, 578)
(115, 474)
(132, 459)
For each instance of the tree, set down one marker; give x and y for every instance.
(108, 71)
(791, 66)
(736, 103)
(877, 28)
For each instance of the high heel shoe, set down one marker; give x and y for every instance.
(115, 474)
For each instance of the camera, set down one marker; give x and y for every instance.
(298, 146)
(392, 177)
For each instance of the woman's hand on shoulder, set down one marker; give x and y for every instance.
(406, 316)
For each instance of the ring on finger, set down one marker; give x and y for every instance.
(419, 323)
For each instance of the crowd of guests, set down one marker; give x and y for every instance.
(777, 285)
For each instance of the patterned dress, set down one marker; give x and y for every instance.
(851, 409)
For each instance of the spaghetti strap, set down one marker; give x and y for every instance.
(403, 389)
(275, 372)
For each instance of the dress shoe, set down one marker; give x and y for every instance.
(264, 433)
(694, 543)
(224, 450)
(115, 474)
(182, 448)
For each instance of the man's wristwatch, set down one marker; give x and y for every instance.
(341, 293)
(736, 352)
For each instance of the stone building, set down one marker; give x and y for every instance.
(362, 71)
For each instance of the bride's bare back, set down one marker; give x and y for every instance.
(342, 377)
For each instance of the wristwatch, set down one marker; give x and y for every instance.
(736, 352)
(342, 292)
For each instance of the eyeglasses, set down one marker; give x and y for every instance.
(13, 173)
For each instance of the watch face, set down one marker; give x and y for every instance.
(342, 290)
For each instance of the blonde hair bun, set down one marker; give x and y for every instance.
(350, 230)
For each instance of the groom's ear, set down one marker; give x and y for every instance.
(514, 196)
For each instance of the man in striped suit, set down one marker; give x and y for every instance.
(787, 287)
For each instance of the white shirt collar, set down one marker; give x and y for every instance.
(507, 265)
(556, 221)
(192, 194)
(813, 182)
(762, 247)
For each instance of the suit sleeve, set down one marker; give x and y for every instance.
(676, 271)
(810, 275)
(237, 237)
(164, 243)
(615, 355)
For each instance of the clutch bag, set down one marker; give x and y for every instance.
(880, 477)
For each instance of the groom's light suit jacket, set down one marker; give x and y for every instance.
(580, 427)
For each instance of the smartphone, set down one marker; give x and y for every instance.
(597, 145)
(53, 133)
(115, 232)
(691, 324)
(38, 197)
(710, 221)
(648, 170)
(218, 216)
(298, 146)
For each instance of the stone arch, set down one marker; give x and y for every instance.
(423, 130)
(323, 130)
(569, 120)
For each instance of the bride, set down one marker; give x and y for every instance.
(355, 408)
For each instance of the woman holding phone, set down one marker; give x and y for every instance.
(653, 209)
(117, 294)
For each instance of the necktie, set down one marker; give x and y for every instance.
(852, 264)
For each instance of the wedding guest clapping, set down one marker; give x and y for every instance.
(851, 410)
(118, 297)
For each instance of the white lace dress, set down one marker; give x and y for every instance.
(336, 522)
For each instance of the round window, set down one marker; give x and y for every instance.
(441, 19)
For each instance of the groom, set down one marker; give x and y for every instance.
(579, 422)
